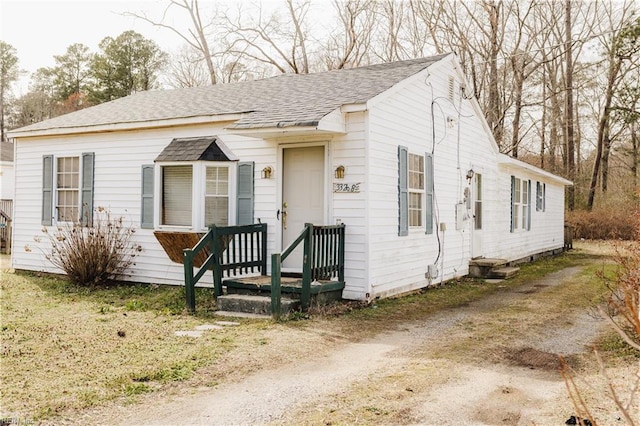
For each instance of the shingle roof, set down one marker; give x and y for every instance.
(281, 101)
(195, 149)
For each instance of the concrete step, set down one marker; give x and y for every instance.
(253, 304)
(482, 267)
(503, 273)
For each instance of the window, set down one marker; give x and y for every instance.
(520, 208)
(67, 189)
(198, 194)
(477, 211)
(541, 189)
(177, 192)
(416, 189)
(216, 196)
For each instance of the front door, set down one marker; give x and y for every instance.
(302, 196)
(476, 236)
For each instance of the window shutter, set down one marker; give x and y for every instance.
(513, 201)
(544, 197)
(245, 193)
(146, 212)
(403, 192)
(86, 199)
(429, 184)
(47, 189)
(529, 205)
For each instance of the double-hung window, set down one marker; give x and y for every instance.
(520, 204)
(67, 188)
(416, 189)
(216, 196)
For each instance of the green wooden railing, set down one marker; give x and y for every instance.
(233, 250)
(239, 250)
(323, 259)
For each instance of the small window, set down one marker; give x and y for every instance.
(176, 195)
(477, 212)
(520, 204)
(67, 189)
(216, 197)
(541, 190)
(416, 189)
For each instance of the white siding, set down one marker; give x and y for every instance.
(350, 208)
(398, 264)
(118, 160)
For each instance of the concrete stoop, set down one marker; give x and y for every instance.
(491, 268)
(254, 304)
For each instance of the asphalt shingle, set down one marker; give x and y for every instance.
(281, 101)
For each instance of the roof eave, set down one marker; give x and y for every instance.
(118, 127)
(513, 163)
(331, 124)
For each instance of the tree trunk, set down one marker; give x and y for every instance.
(603, 129)
(606, 150)
(543, 120)
(493, 9)
(569, 106)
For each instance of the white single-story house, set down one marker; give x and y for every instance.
(400, 153)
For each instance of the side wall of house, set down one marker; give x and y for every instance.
(426, 116)
(546, 231)
(119, 157)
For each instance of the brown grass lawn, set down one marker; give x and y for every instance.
(66, 348)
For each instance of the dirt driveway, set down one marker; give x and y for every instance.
(491, 362)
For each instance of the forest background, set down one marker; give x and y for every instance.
(558, 81)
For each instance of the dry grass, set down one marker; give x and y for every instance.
(65, 349)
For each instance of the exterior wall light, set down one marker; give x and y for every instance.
(339, 172)
(266, 172)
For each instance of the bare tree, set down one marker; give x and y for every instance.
(196, 36)
(349, 43)
(273, 41)
(622, 47)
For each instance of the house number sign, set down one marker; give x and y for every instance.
(346, 187)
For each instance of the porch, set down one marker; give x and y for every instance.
(240, 254)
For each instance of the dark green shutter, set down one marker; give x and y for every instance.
(429, 184)
(513, 201)
(146, 211)
(245, 193)
(47, 189)
(86, 199)
(544, 197)
(403, 191)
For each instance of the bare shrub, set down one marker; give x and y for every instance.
(602, 224)
(622, 311)
(92, 255)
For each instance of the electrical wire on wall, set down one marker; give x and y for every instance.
(435, 102)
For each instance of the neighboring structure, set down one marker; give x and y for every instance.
(6, 195)
(398, 152)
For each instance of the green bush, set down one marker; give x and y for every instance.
(94, 254)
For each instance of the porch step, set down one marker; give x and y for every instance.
(254, 304)
(481, 267)
(503, 273)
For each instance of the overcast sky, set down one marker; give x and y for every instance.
(38, 30)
